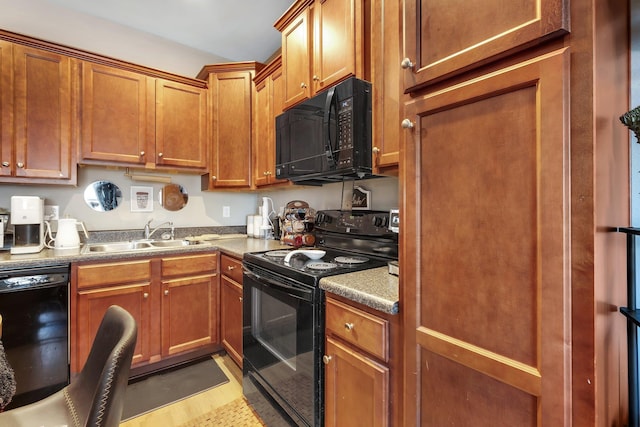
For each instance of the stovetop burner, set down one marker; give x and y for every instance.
(277, 254)
(350, 260)
(321, 266)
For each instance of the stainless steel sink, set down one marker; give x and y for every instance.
(138, 245)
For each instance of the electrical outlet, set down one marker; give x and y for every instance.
(51, 212)
(226, 211)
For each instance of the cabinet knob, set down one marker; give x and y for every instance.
(5, 164)
(265, 173)
(166, 292)
(303, 85)
(20, 165)
(145, 295)
(407, 124)
(141, 153)
(213, 178)
(326, 359)
(348, 326)
(406, 64)
(231, 267)
(316, 78)
(240, 298)
(375, 150)
(159, 154)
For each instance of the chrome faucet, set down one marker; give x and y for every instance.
(148, 232)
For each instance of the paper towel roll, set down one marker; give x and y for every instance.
(250, 225)
(257, 222)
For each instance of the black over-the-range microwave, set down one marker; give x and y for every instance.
(326, 138)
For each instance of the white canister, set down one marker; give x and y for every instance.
(257, 223)
(250, 225)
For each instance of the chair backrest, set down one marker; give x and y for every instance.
(96, 397)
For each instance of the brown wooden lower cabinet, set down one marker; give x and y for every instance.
(174, 300)
(357, 384)
(231, 307)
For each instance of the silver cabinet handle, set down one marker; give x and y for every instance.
(166, 292)
(231, 267)
(141, 153)
(20, 165)
(407, 124)
(348, 326)
(5, 164)
(159, 154)
(145, 295)
(375, 150)
(326, 359)
(406, 64)
(303, 85)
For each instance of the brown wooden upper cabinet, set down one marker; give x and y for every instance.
(484, 31)
(267, 106)
(134, 119)
(37, 113)
(230, 119)
(322, 42)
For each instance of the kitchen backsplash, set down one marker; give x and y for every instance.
(204, 209)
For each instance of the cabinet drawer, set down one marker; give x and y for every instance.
(366, 331)
(114, 273)
(231, 267)
(189, 264)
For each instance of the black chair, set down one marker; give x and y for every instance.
(96, 396)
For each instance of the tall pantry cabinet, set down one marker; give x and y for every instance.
(518, 271)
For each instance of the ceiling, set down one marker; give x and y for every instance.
(238, 30)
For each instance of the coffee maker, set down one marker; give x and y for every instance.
(27, 217)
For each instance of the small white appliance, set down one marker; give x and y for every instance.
(67, 236)
(27, 216)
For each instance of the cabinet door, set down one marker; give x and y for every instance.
(356, 388)
(91, 306)
(488, 174)
(231, 129)
(268, 105)
(181, 128)
(334, 41)
(44, 114)
(479, 35)
(231, 318)
(262, 128)
(296, 54)
(386, 43)
(117, 115)
(189, 313)
(6, 108)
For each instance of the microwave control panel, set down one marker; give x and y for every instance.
(345, 133)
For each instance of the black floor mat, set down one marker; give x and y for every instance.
(162, 389)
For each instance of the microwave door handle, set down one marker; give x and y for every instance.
(326, 130)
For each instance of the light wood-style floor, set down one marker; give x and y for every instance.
(187, 409)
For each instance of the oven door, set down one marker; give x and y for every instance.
(281, 349)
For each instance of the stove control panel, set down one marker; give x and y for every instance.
(371, 223)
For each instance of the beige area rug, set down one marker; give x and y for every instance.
(236, 413)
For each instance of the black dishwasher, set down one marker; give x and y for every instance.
(34, 304)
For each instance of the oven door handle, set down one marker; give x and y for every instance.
(296, 292)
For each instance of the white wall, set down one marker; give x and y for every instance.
(45, 20)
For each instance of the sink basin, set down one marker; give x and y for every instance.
(138, 245)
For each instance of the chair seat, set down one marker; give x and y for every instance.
(51, 411)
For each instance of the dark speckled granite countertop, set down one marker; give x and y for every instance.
(375, 288)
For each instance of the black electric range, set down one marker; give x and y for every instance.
(283, 313)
